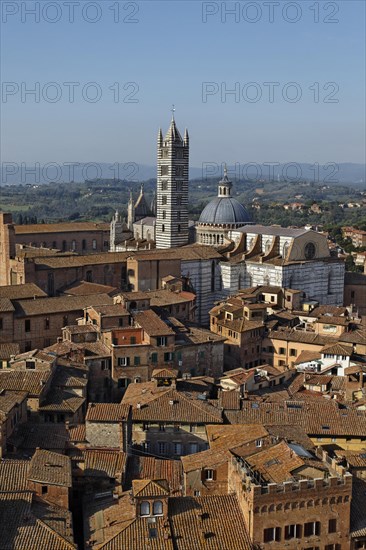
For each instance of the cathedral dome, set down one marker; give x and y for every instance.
(224, 210)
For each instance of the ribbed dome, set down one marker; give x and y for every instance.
(224, 210)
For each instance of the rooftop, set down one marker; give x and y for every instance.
(50, 468)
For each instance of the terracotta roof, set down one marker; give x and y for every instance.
(58, 304)
(77, 433)
(6, 305)
(275, 464)
(151, 323)
(28, 436)
(31, 525)
(58, 400)
(17, 292)
(73, 260)
(104, 462)
(60, 227)
(8, 349)
(32, 382)
(173, 406)
(338, 349)
(11, 399)
(214, 522)
(319, 417)
(164, 373)
(50, 468)
(14, 475)
(331, 311)
(107, 412)
(149, 467)
(150, 487)
(211, 458)
(229, 399)
(231, 436)
(307, 356)
(138, 533)
(84, 288)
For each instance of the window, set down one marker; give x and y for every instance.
(136, 360)
(1, 323)
(179, 186)
(83, 244)
(332, 525)
(197, 493)
(163, 228)
(293, 531)
(179, 200)
(27, 325)
(293, 352)
(73, 245)
(89, 276)
(145, 508)
(30, 364)
(65, 320)
(123, 361)
(44, 489)
(133, 340)
(168, 356)
(179, 171)
(164, 171)
(94, 244)
(164, 185)
(164, 199)
(282, 351)
(162, 447)
(258, 443)
(177, 449)
(47, 323)
(28, 345)
(311, 528)
(154, 357)
(272, 534)
(158, 508)
(161, 341)
(209, 475)
(164, 214)
(50, 284)
(193, 448)
(122, 382)
(309, 251)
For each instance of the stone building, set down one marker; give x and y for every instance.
(222, 214)
(172, 188)
(292, 258)
(167, 422)
(81, 237)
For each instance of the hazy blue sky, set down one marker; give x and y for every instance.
(169, 53)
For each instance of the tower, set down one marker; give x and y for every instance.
(130, 212)
(172, 188)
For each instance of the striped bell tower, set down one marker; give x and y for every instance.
(172, 188)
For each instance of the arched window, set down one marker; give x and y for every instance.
(285, 250)
(310, 251)
(158, 508)
(267, 246)
(145, 508)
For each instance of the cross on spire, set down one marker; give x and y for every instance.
(173, 111)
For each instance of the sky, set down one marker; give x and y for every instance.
(296, 72)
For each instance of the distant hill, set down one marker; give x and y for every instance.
(331, 174)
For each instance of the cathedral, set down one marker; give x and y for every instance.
(247, 254)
